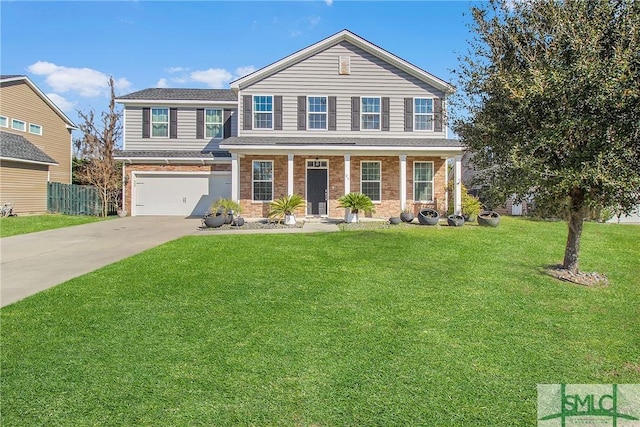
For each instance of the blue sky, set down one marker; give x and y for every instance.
(69, 49)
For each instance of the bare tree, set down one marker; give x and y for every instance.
(95, 164)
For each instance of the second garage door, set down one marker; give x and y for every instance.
(180, 194)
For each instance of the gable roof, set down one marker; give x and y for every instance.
(170, 94)
(348, 36)
(18, 148)
(6, 78)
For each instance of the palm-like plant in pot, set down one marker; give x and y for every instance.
(284, 208)
(356, 202)
(222, 211)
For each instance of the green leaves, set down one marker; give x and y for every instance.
(357, 202)
(285, 206)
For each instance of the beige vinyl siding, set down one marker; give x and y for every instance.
(318, 75)
(19, 101)
(186, 140)
(25, 185)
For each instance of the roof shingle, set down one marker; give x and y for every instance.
(18, 147)
(169, 94)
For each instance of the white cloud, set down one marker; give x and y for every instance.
(328, 2)
(313, 20)
(62, 103)
(176, 69)
(85, 82)
(162, 83)
(213, 77)
(243, 71)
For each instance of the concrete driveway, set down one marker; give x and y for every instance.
(33, 262)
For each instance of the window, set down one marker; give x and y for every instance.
(35, 129)
(317, 112)
(262, 180)
(4, 122)
(370, 180)
(213, 126)
(423, 181)
(160, 122)
(370, 113)
(263, 112)
(423, 114)
(18, 125)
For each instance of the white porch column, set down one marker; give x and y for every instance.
(290, 174)
(235, 177)
(403, 181)
(458, 186)
(446, 180)
(347, 173)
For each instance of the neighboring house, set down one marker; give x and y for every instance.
(36, 144)
(340, 116)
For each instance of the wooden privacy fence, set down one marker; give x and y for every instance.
(72, 199)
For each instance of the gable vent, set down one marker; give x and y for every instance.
(344, 65)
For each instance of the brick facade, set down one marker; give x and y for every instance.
(390, 169)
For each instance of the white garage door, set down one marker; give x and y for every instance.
(179, 193)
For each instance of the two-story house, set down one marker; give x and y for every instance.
(36, 144)
(340, 116)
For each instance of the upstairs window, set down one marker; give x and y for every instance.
(4, 122)
(370, 183)
(35, 129)
(370, 113)
(263, 112)
(317, 112)
(423, 114)
(160, 122)
(213, 124)
(423, 181)
(262, 180)
(18, 125)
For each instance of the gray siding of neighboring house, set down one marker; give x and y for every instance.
(186, 139)
(318, 75)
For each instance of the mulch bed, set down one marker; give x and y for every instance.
(579, 278)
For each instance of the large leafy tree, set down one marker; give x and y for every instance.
(94, 162)
(551, 101)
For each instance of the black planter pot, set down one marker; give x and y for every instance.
(455, 220)
(469, 218)
(428, 217)
(228, 218)
(406, 217)
(488, 219)
(238, 222)
(214, 221)
(395, 220)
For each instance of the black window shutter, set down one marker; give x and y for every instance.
(173, 123)
(437, 115)
(385, 114)
(408, 114)
(247, 112)
(226, 132)
(146, 122)
(302, 113)
(277, 112)
(332, 125)
(355, 113)
(200, 123)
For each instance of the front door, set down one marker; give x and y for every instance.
(317, 193)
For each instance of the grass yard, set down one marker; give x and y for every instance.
(409, 326)
(12, 226)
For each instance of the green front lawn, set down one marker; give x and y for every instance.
(11, 226)
(410, 326)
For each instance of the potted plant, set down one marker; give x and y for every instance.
(285, 207)
(471, 206)
(356, 202)
(222, 211)
(395, 220)
(428, 217)
(488, 219)
(455, 220)
(406, 215)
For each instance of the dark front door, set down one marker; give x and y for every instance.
(316, 191)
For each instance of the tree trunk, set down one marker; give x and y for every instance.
(576, 220)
